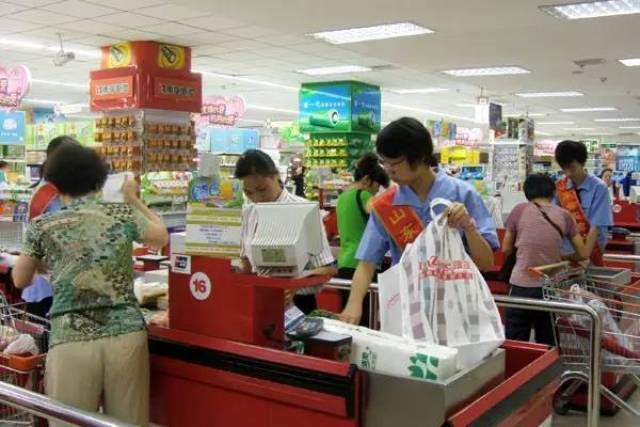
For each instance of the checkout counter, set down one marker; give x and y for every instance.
(224, 361)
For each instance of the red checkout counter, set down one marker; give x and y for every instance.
(221, 363)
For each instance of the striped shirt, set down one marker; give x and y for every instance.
(250, 224)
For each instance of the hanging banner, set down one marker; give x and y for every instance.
(14, 85)
(544, 148)
(220, 111)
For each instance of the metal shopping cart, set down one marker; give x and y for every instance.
(22, 370)
(619, 309)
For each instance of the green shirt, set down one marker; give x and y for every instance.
(87, 246)
(351, 224)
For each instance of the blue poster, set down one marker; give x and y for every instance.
(325, 107)
(233, 140)
(365, 112)
(13, 129)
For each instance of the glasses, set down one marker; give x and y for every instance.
(392, 162)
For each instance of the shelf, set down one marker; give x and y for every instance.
(15, 160)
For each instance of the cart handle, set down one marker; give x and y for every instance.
(541, 270)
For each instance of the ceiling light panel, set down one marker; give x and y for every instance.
(587, 110)
(423, 90)
(378, 32)
(487, 71)
(592, 9)
(629, 127)
(83, 86)
(555, 123)
(549, 94)
(618, 120)
(338, 69)
(631, 62)
(572, 129)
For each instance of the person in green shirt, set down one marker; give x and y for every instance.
(353, 213)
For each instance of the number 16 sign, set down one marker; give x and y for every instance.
(200, 286)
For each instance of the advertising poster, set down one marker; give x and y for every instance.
(325, 107)
(365, 112)
(13, 129)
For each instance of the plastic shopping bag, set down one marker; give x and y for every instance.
(389, 296)
(444, 298)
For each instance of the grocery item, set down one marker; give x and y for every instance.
(396, 356)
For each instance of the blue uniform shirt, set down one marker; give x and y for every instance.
(596, 204)
(376, 242)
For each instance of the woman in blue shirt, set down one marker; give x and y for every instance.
(406, 150)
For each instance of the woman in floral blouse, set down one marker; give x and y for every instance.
(98, 345)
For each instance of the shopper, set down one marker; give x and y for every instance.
(353, 213)
(585, 196)
(535, 231)
(401, 212)
(45, 198)
(262, 184)
(98, 345)
(615, 189)
(296, 175)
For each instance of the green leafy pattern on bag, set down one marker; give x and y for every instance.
(421, 364)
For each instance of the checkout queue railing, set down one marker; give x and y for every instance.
(594, 377)
(44, 407)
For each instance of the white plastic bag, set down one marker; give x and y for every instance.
(390, 305)
(24, 344)
(444, 298)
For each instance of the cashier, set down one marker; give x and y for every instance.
(585, 196)
(262, 184)
(402, 212)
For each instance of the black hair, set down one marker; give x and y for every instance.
(255, 162)
(76, 170)
(3, 164)
(53, 145)
(369, 166)
(408, 138)
(569, 151)
(539, 186)
(605, 170)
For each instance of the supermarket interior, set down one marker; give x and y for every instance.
(347, 213)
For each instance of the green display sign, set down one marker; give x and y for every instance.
(344, 106)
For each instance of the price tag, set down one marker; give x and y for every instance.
(200, 286)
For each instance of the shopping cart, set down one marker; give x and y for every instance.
(22, 370)
(619, 309)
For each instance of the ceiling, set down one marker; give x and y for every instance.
(259, 45)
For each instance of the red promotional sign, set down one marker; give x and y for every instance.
(113, 88)
(175, 88)
(544, 148)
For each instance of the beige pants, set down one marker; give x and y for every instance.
(113, 371)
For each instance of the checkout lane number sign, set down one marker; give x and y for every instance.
(200, 286)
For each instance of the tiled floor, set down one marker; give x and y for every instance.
(621, 419)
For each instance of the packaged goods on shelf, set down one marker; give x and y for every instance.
(139, 142)
(336, 150)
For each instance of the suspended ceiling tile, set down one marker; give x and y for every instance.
(96, 28)
(169, 29)
(212, 22)
(249, 32)
(241, 44)
(98, 41)
(7, 9)
(129, 5)
(128, 20)
(32, 3)
(79, 9)
(43, 17)
(11, 26)
(208, 37)
(171, 12)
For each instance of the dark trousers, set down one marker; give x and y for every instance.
(347, 274)
(306, 303)
(40, 308)
(520, 322)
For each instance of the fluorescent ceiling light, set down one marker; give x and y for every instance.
(338, 69)
(524, 115)
(543, 133)
(425, 111)
(624, 119)
(629, 127)
(268, 108)
(487, 71)
(423, 90)
(246, 80)
(631, 62)
(555, 123)
(56, 83)
(549, 94)
(42, 101)
(586, 110)
(39, 46)
(378, 32)
(579, 129)
(592, 9)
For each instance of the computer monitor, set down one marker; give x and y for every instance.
(634, 194)
(287, 236)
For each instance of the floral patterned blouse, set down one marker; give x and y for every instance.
(87, 246)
